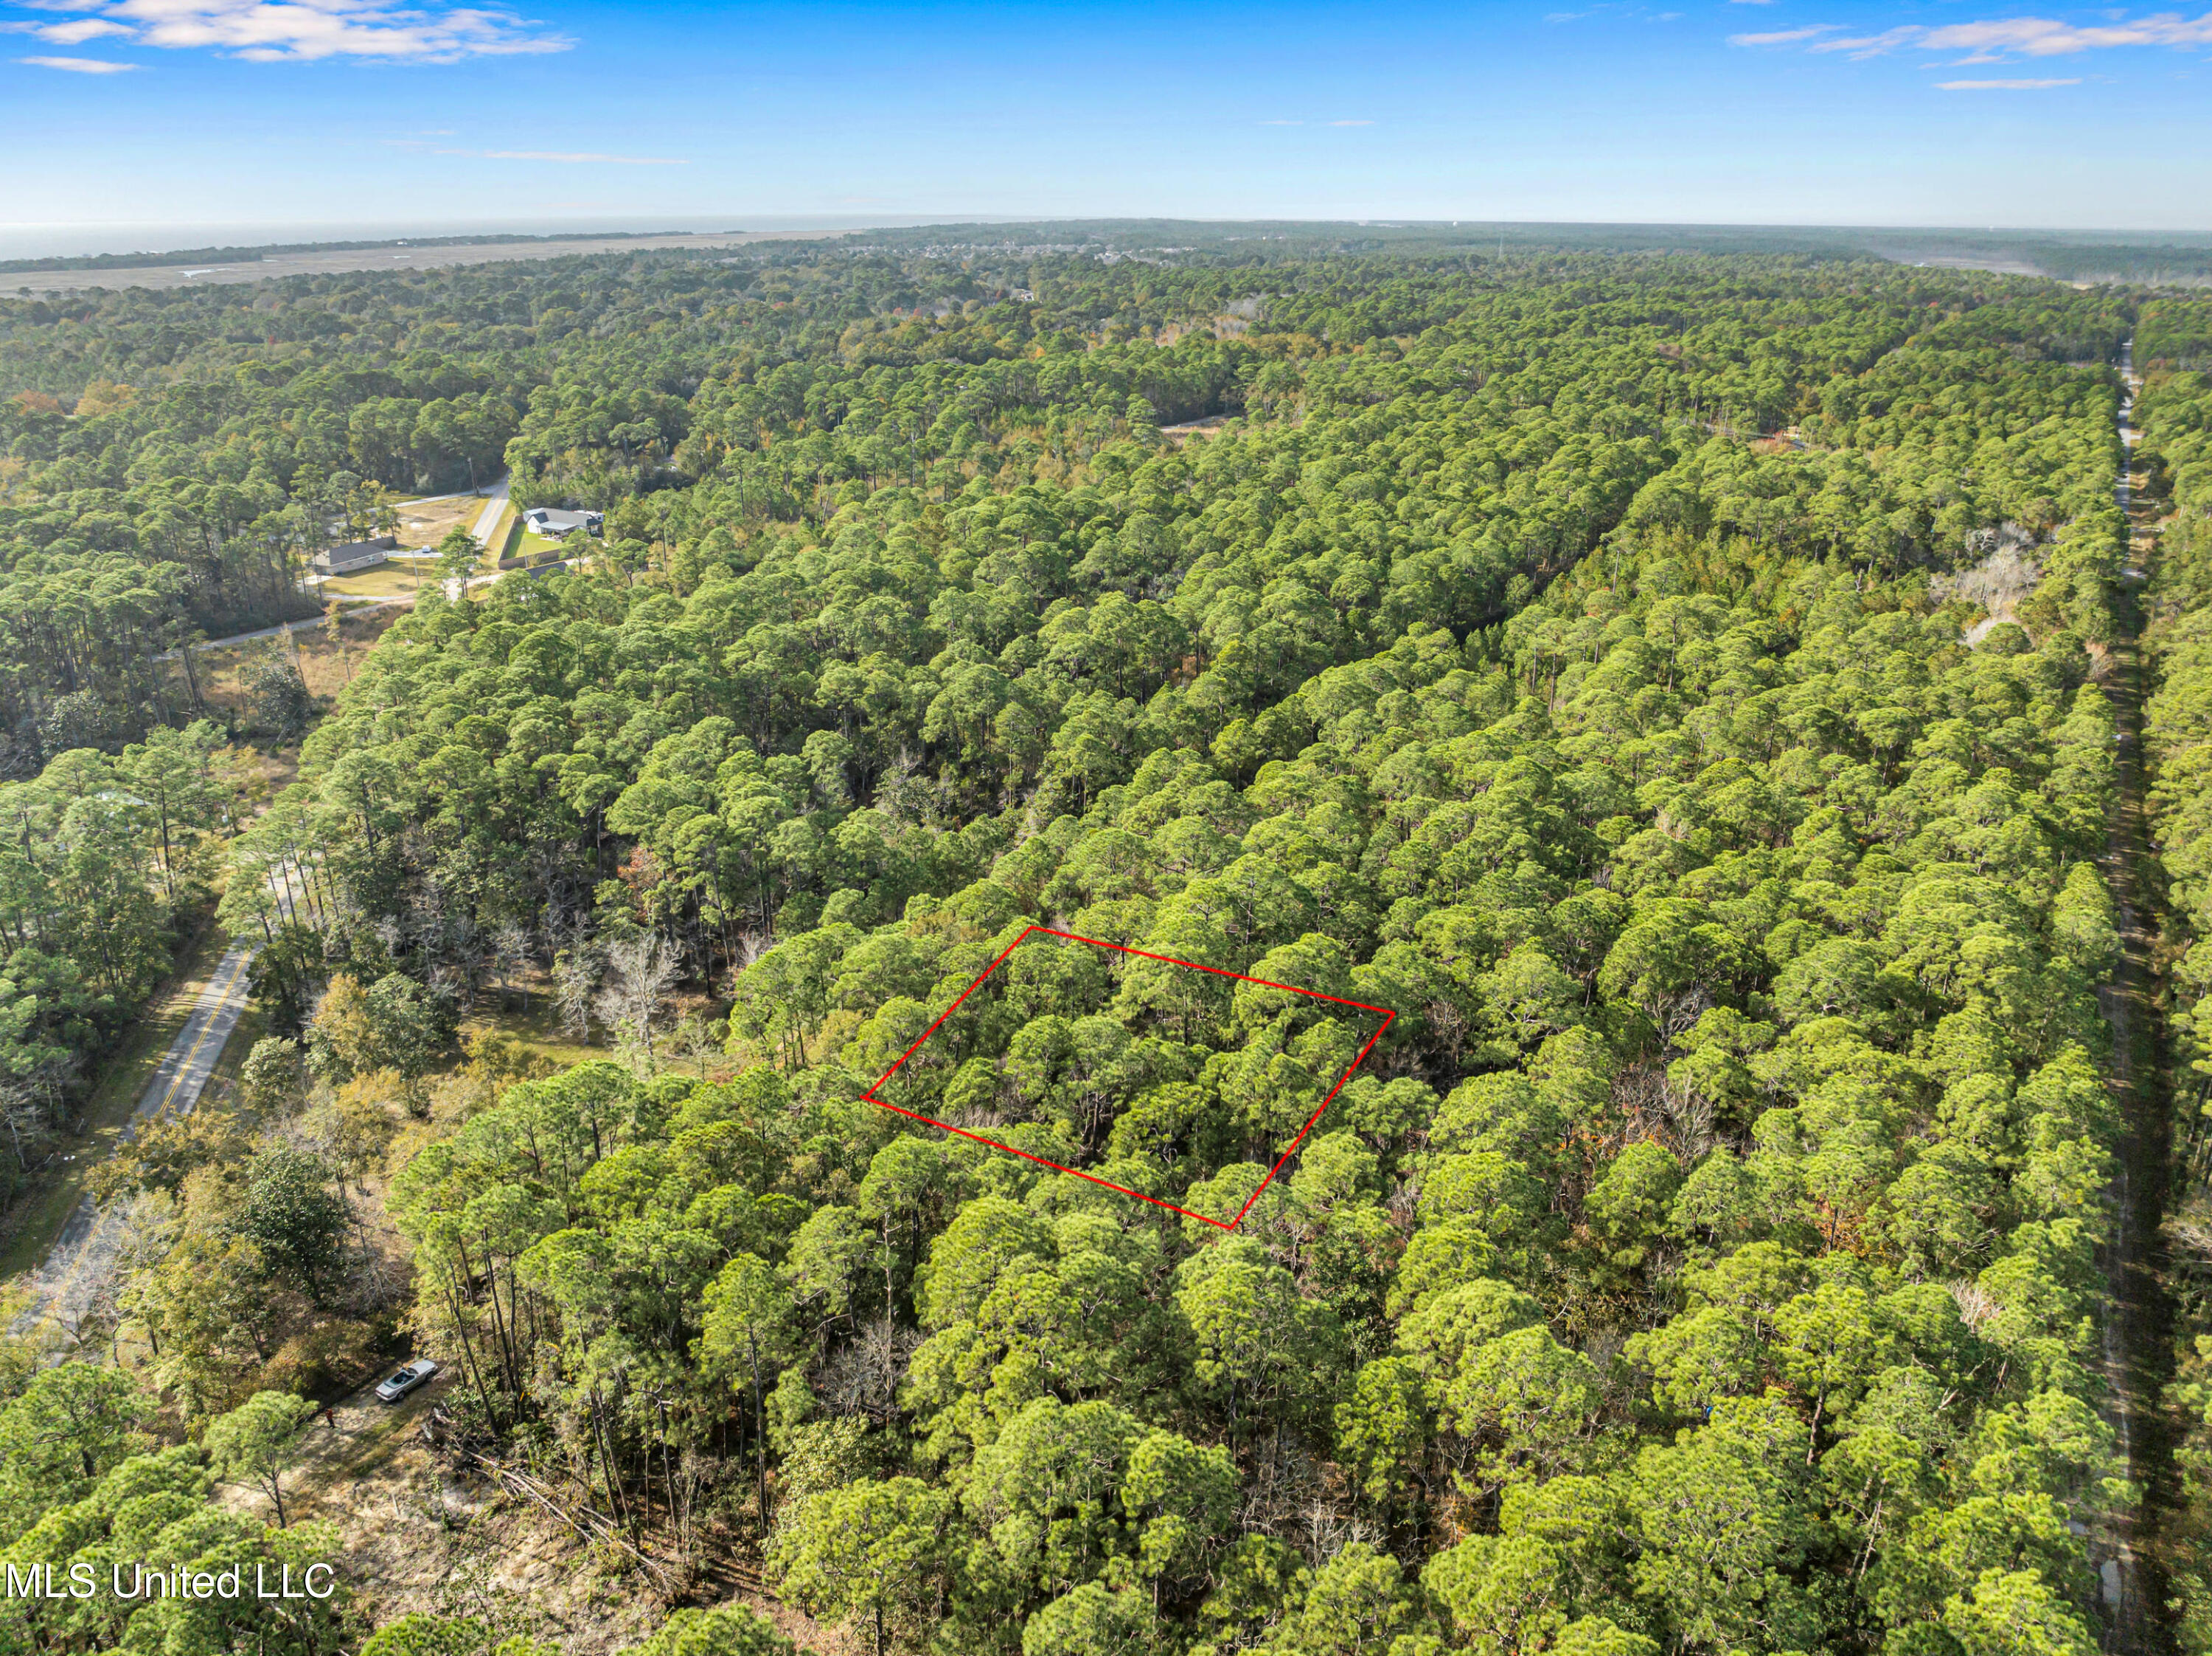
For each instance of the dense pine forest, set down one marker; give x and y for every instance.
(1680, 688)
(2174, 343)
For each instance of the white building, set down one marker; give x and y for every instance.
(353, 555)
(555, 525)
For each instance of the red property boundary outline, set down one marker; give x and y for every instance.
(1388, 1015)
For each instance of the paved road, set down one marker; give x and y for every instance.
(192, 1058)
(83, 1255)
(487, 518)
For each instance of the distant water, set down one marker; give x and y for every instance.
(66, 240)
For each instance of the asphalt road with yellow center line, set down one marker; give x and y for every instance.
(83, 1255)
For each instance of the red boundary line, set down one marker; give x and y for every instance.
(1389, 1017)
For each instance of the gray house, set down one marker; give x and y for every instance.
(353, 554)
(556, 524)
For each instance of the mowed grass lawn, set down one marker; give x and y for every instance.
(393, 578)
(521, 542)
(536, 546)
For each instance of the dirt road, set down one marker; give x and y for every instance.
(345, 1447)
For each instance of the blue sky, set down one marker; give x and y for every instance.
(346, 112)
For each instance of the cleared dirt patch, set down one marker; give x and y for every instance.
(1190, 428)
(424, 522)
(419, 1532)
(326, 660)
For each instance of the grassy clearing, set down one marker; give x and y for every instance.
(330, 657)
(537, 1030)
(531, 1020)
(327, 660)
(535, 1027)
(393, 578)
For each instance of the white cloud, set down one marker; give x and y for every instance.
(283, 31)
(574, 157)
(73, 34)
(1785, 36)
(2041, 37)
(80, 65)
(2001, 86)
(586, 157)
(1870, 46)
(1352, 122)
(1993, 41)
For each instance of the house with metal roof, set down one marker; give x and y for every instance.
(556, 524)
(353, 556)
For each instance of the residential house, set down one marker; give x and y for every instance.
(353, 555)
(556, 524)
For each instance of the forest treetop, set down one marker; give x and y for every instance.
(1570, 654)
